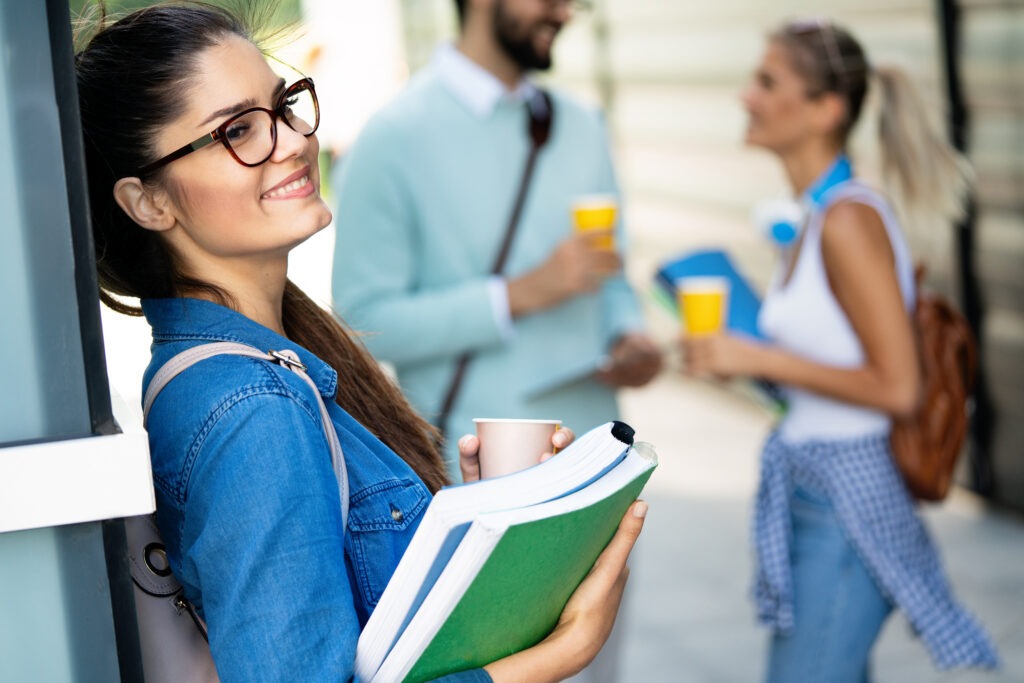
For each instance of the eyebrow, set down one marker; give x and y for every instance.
(242, 106)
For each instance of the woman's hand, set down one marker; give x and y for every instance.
(587, 618)
(469, 452)
(722, 356)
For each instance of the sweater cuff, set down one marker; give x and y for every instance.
(497, 290)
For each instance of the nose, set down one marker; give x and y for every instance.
(747, 96)
(289, 142)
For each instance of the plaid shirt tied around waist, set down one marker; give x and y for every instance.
(877, 514)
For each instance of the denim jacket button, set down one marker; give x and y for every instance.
(397, 515)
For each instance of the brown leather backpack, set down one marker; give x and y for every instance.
(926, 446)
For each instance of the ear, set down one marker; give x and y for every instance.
(830, 113)
(149, 208)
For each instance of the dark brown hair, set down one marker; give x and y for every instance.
(132, 80)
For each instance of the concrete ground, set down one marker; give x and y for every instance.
(689, 617)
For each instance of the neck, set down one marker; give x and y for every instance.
(478, 46)
(255, 290)
(265, 309)
(804, 166)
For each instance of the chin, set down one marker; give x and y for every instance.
(311, 220)
(313, 227)
(324, 218)
(327, 221)
(754, 139)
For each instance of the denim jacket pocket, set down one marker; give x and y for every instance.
(381, 522)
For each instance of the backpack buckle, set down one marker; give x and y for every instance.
(288, 358)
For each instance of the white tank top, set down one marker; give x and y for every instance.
(802, 316)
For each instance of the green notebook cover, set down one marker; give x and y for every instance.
(517, 597)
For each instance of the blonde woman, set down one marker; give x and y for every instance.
(838, 543)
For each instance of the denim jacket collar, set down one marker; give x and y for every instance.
(194, 320)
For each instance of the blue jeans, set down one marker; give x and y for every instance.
(838, 608)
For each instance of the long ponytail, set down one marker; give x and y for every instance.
(364, 391)
(926, 171)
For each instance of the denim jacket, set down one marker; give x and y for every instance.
(248, 506)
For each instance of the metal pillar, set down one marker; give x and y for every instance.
(983, 421)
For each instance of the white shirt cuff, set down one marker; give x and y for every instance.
(497, 289)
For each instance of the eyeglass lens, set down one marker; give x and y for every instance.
(252, 136)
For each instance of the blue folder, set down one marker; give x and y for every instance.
(744, 303)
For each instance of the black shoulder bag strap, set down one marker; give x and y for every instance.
(540, 129)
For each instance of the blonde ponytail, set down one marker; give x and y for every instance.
(920, 167)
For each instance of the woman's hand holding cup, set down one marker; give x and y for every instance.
(470, 448)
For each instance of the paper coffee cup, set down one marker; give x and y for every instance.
(703, 304)
(594, 215)
(508, 446)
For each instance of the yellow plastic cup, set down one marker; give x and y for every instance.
(703, 303)
(594, 215)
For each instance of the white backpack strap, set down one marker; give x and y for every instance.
(286, 358)
(187, 359)
(853, 189)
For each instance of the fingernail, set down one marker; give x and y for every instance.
(559, 439)
(640, 509)
(463, 440)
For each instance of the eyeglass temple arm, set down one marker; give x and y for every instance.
(180, 152)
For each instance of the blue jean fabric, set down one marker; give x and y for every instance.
(248, 504)
(838, 608)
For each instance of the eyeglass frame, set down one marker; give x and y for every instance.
(218, 134)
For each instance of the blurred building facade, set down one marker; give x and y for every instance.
(669, 75)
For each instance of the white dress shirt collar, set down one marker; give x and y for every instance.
(476, 87)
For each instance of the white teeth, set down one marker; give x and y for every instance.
(290, 187)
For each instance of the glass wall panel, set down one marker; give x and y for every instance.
(42, 382)
(56, 624)
(59, 585)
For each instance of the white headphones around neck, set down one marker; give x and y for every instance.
(780, 220)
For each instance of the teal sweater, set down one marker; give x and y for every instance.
(423, 199)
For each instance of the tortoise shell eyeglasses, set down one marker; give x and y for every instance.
(251, 135)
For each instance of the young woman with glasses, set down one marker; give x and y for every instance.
(838, 542)
(202, 171)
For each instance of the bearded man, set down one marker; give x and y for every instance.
(423, 202)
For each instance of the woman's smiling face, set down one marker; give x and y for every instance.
(226, 211)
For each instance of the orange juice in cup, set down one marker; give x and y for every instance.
(595, 215)
(703, 304)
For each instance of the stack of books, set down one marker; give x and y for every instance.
(493, 562)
